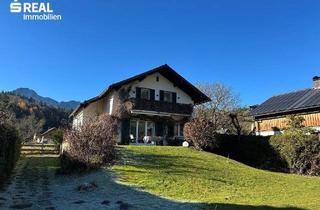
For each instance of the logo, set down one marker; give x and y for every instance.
(34, 10)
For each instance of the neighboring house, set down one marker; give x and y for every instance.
(270, 116)
(161, 102)
(45, 137)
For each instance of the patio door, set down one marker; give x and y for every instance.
(141, 128)
(169, 130)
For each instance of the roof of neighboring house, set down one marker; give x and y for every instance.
(48, 131)
(303, 100)
(165, 70)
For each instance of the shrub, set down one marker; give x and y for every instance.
(9, 149)
(315, 166)
(298, 147)
(57, 135)
(201, 133)
(300, 151)
(92, 144)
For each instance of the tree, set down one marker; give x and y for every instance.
(223, 101)
(57, 135)
(295, 122)
(241, 121)
(29, 116)
(3, 117)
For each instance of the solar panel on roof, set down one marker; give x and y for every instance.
(289, 102)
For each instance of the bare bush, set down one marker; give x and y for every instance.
(122, 108)
(93, 143)
(201, 133)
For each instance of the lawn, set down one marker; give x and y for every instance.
(185, 174)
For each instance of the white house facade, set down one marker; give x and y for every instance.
(162, 102)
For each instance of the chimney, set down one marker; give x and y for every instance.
(316, 82)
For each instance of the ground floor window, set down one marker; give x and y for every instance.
(139, 129)
(133, 128)
(150, 128)
(178, 129)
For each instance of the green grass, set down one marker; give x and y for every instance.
(184, 174)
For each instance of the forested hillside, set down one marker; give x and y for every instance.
(30, 116)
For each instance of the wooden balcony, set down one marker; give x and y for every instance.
(161, 106)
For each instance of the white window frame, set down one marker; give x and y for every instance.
(149, 93)
(171, 96)
(145, 128)
(179, 129)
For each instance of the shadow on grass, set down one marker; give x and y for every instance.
(108, 193)
(178, 165)
(111, 194)
(222, 206)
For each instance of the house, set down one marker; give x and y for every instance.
(161, 101)
(45, 137)
(270, 116)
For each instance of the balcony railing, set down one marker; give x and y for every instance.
(161, 106)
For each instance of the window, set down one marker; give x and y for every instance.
(141, 128)
(133, 130)
(145, 93)
(181, 130)
(178, 129)
(167, 96)
(150, 128)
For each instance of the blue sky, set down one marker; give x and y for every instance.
(258, 47)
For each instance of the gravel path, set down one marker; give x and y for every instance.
(34, 185)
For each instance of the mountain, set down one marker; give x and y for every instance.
(29, 93)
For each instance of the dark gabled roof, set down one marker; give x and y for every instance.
(302, 100)
(165, 70)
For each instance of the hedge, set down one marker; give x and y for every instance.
(10, 143)
(254, 151)
(300, 151)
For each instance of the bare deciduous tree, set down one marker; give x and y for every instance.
(223, 101)
(242, 121)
